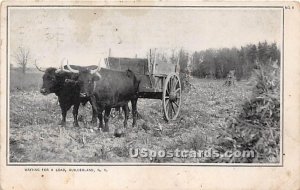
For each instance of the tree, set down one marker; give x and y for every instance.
(21, 57)
(183, 59)
(252, 53)
(274, 52)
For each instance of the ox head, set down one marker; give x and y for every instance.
(51, 79)
(86, 79)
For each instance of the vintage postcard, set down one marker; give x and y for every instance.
(156, 95)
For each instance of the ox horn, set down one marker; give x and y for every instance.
(38, 68)
(62, 64)
(98, 68)
(70, 69)
(62, 68)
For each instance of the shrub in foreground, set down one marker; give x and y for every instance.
(257, 128)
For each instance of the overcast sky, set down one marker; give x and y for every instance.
(83, 35)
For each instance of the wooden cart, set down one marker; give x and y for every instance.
(158, 81)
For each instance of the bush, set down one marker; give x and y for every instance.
(257, 128)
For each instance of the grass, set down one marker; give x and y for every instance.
(36, 137)
(25, 82)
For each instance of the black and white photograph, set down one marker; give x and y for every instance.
(144, 85)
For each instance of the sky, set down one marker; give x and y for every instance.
(84, 35)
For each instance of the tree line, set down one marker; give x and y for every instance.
(216, 63)
(210, 63)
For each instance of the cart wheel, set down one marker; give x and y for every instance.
(171, 98)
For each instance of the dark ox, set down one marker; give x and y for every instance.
(68, 94)
(109, 89)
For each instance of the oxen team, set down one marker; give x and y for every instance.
(103, 88)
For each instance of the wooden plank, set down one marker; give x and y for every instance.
(150, 83)
(137, 65)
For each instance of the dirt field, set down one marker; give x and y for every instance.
(36, 137)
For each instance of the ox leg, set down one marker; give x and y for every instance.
(120, 112)
(75, 115)
(134, 112)
(100, 118)
(94, 117)
(95, 111)
(64, 110)
(106, 118)
(63, 120)
(126, 111)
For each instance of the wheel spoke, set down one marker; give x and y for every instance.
(173, 108)
(175, 83)
(170, 110)
(177, 86)
(176, 104)
(167, 102)
(172, 83)
(178, 99)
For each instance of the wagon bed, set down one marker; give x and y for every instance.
(158, 81)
